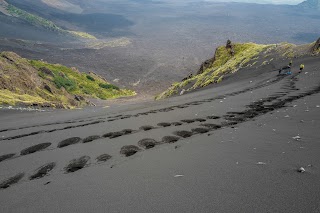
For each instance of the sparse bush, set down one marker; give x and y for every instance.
(90, 78)
(67, 83)
(109, 86)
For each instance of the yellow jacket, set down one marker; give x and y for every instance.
(302, 66)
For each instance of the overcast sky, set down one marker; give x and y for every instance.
(263, 1)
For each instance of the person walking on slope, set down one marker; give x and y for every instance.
(301, 67)
(286, 68)
(289, 68)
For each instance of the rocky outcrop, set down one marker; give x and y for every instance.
(46, 71)
(230, 47)
(208, 63)
(205, 65)
(315, 49)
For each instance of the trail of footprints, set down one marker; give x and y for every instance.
(110, 135)
(253, 110)
(121, 117)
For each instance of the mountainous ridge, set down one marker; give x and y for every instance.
(311, 4)
(64, 5)
(232, 57)
(37, 21)
(38, 83)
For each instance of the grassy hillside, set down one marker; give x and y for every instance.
(41, 22)
(32, 82)
(77, 83)
(228, 60)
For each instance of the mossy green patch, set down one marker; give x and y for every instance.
(81, 83)
(82, 34)
(11, 98)
(90, 78)
(32, 19)
(224, 62)
(109, 86)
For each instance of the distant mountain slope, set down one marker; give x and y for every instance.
(37, 21)
(313, 4)
(38, 83)
(233, 57)
(63, 5)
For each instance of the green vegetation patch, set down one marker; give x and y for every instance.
(12, 98)
(81, 83)
(109, 86)
(65, 82)
(42, 22)
(90, 78)
(33, 19)
(82, 34)
(224, 63)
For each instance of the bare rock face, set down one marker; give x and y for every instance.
(205, 65)
(46, 71)
(229, 46)
(79, 98)
(208, 63)
(47, 87)
(316, 47)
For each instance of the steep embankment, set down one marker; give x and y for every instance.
(38, 83)
(37, 21)
(233, 57)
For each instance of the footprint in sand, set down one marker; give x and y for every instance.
(6, 157)
(129, 150)
(103, 158)
(90, 138)
(147, 143)
(69, 141)
(183, 134)
(43, 171)
(170, 139)
(35, 148)
(10, 181)
(77, 164)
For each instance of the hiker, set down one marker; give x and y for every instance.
(301, 67)
(286, 68)
(289, 70)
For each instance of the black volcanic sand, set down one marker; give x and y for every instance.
(244, 151)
